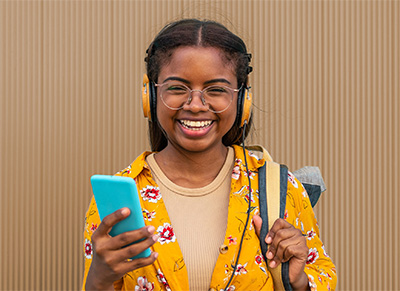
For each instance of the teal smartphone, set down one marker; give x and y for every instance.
(114, 192)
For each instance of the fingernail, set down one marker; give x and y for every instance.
(268, 240)
(155, 237)
(155, 255)
(272, 264)
(125, 211)
(270, 255)
(151, 229)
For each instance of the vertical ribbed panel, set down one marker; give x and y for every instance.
(21, 148)
(326, 92)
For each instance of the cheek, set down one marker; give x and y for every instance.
(231, 117)
(234, 109)
(164, 115)
(160, 116)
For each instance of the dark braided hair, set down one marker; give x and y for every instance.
(194, 32)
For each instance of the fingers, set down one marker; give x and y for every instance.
(130, 237)
(135, 248)
(128, 266)
(112, 265)
(285, 242)
(278, 225)
(139, 263)
(123, 246)
(111, 254)
(120, 257)
(257, 221)
(110, 220)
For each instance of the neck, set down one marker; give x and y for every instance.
(191, 169)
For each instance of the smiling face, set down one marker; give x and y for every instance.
(194, 128)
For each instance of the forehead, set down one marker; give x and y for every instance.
(198, 63)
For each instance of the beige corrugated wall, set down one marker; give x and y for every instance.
(326, 92)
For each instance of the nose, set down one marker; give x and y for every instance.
(196, 102)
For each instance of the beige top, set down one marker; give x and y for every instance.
(199, 218)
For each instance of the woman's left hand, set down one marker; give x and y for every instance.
(286, 243)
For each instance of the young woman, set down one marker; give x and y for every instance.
(194, 185)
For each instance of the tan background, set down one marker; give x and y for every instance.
(326, 86)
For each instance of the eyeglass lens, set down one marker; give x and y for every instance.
(175, 96)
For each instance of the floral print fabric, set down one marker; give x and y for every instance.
(169, 270)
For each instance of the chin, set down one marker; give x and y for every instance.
(202, 147)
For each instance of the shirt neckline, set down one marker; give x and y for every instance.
(223, 174)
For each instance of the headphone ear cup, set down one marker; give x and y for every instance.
(146, 97)
(245, 107)
(153, 102)
(149, 99)
(239, 112)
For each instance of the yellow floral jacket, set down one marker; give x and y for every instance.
(169, 272)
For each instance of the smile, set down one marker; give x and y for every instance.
(195, 125)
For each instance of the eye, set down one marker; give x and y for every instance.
(176, 89)
(216, 91)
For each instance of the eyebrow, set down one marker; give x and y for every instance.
(220, 80)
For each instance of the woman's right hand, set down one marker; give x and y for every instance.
(110, 254)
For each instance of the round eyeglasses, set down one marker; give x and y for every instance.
(176, 95)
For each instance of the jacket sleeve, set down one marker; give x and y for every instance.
(319, 268)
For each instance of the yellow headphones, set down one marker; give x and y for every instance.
(149, 101)
(146, 97)
(244, 106)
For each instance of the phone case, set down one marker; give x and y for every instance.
(114, 192)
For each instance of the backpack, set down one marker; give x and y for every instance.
(273, 179)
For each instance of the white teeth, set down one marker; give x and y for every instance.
(195, 125)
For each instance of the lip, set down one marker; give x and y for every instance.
(195, 131)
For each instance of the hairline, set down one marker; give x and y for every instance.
(231, 62)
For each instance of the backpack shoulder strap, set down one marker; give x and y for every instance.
(260, 149)
(272, 189)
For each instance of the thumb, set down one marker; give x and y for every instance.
(257, 221)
